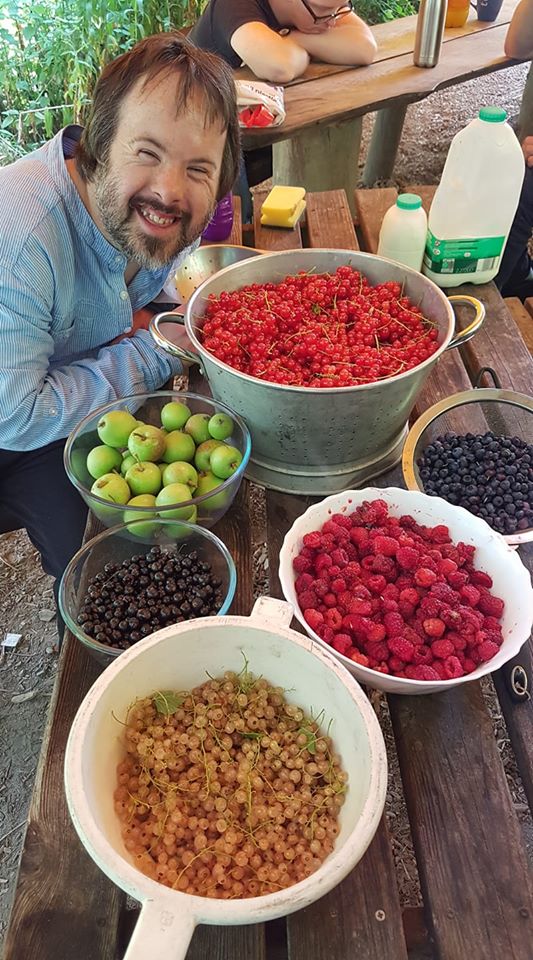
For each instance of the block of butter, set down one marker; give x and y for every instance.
(283, 207)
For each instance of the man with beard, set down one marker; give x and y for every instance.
(91, 226)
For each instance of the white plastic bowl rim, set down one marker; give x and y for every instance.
(168, 917)
(429, 511)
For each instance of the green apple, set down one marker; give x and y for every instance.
(144, 478)
(78, 463)
(175, 493)
(225, 460)
(127, 462)
(220, 426)
(115, 427)
(146, 443)
(103, 459)
(180, 472)
(137, 525)
(174, 415)
(197, 427)
(178, 530)
(203, 453)
(207, 482)
(178, 446)
(112, 487)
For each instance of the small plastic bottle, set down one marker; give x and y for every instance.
(219, 227)
(403, 232)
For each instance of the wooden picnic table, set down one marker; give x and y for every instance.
(474, 873)
(317, 146)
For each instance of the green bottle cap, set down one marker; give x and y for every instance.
(492, 114)
(409, 201)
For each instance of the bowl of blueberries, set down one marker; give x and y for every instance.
(475, 450)
(136, 578)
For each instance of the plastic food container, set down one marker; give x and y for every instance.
(178, 658)
(512, 581)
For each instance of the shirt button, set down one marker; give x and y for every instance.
(127, 329)
(53, 412)
(124, 295)
(118, 258)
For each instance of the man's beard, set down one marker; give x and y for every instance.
(126, 235)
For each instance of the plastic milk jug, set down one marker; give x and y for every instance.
(475, 202)
(403, 231)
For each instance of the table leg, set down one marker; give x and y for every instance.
(384, 143)
(321, 158)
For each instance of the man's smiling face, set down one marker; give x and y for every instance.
(157, 190)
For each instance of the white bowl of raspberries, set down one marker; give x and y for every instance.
(412, 594)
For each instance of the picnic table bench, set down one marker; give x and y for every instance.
(475, 878)
(317, 146)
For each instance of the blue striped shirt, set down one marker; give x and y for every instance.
(62, 297)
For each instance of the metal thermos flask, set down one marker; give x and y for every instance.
(429, 30)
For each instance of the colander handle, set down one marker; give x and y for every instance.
(161, 931)
(463, 335)
(187, 356)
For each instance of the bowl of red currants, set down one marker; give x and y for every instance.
(475, 450)
(178, 456)
(134, 579)
(413, 594)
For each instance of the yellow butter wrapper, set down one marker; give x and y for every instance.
(283, 206)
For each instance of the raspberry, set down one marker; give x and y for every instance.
(442, 649)
(342, 521)
(453, 668)
(393, 624)
(322, 562)
(481, 579)
(407, 558)
(302, 564)
(362, 607)
(406, 609)
(430, 607)
(441, 591)
(377, 651)
(440, 669)
(401, 648)
(352, 570)
(440, 534)
(333, 618)
(338, 585)
(391, 592)
(313, 618)
(326, 634)
(377, 583)
(422, 654)
(490, 605)
(385, 545)
(313, 540)
(424, 577)
(320, 586)
(359, 536)
(330, 600)
(470, 594)
(340, 557)
(389, 606)
(341, 643)
(434, 627)
(308, 599)
(396, 665)
(446, 566)
(468, 665)
(332, 528)
(358, 658)
(375, 633)
(421, 672)
(410, 595)
(344, 599)
(458, 579)
(459, 642)
(486, 651)
(303, 582)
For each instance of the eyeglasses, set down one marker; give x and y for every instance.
(341, 12)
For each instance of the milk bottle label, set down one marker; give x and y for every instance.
(467, 255)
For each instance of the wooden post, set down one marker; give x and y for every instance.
(525, 117)
(321, 158)
(384, 142)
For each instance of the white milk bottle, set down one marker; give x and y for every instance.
(403, 231)
(473, 208)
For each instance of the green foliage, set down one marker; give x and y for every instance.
(52, 51)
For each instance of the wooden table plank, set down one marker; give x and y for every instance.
(273, 238)
(523, 319)
(344, 922)
(469, 848)
(329, 221)
(236, 229)
(371, 206)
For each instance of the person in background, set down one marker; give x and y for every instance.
(278, 38)
(515, 276)
(91, 225)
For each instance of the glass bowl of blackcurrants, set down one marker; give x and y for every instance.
(179, 455)
(137, 578)
(475, 450)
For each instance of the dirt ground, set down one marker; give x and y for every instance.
(26, 602)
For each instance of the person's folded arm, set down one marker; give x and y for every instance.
(271, 57)
(39, 405)
(349, 41)
(519, 39)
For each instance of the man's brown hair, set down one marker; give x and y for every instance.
(201, 74)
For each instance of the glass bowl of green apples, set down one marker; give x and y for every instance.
(178, 456)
